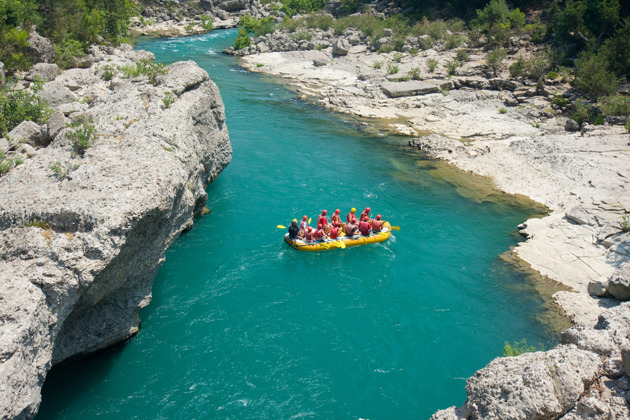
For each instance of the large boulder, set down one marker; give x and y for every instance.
(531, 386)
(26, 132)
(40, 49)
(341, 47)
(619, 283)
(56, 123)
(43, 71)
(231, 5)
(55, 93)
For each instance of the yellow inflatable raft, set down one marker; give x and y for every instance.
(329, 244)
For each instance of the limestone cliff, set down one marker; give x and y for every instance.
(79, 249)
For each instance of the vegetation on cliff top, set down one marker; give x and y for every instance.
(72, 25)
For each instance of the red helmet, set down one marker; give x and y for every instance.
(319, 226)
(337, 211)
(336, 223)
(310, 228)
(324, 212)
(365, 218)
(304, 217)
(378, 217)
(354, 220)
(367, 210)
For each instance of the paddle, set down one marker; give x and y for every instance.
(281, 227)
(309, 220)
(341, 245)
(395, 227)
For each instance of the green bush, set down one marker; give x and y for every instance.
(535, 68)
(453, 41)
(21, 105)
(378, 65)
(502, 110)
(414, 73)
(431, 63)
(628, 127)
(462, 56)
(495, 60)
(517, 348)
(592, 76)
(292, 7)
(615, 105)
(536, 31)
(82, 134)
(350, 6)
(391, 68)
(559, 102)
(257, 27)
(582, 112)
(452, 66)
(67, 52)
(13, 44)
(242, 40)
(168, 99)
(398, 57)
(319, 21)
(206, 24)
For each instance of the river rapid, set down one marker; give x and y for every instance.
(241, 326)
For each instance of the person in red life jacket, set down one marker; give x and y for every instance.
(377, 224)
(366, 212)
(335, 217)
(364, 226)
(319, 233)
(322, 219)
(351, 215)
(334, 230)
(309, 234)
(351, 227)
(304, 224)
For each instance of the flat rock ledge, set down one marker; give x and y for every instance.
(583, 180)
(79, 249)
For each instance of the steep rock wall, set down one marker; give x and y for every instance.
(75, 282)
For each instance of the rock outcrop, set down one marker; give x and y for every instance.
(83, 235)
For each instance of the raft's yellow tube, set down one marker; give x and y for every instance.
(330, 244)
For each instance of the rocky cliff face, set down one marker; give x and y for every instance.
(79, 248)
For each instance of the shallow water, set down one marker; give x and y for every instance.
(241, 326)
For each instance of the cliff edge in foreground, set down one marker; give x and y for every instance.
(83, 235)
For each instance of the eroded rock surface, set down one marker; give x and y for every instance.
(79, 247)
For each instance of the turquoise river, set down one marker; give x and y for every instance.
(243, 327)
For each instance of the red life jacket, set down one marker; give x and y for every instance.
(335, 218)
(363, 215)
(319, 234)
(322, 220)
(308, 235)
(349, 217)
(377, 225)
(334, 232)
(364, 227)
(350, 229)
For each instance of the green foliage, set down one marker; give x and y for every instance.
(82, 134)
(145, 67)
(257, 27)
(451, 67)
(431, 63)
(616, 50)
(350, 6)
(415, 73)
(13, 44)
(517, 348)
(628, 127)
(536, 31)
(398, 57)
(592, 77)
(497, 21)
(292, 7)
(582, 112)
(502, 110)
(67, 52)
(462, 56)
(559, 102)
(625, 219)
(319, 21)
(535, 68)
(615, 105)
(39, 223)
(391, 68)
(108, 72)
(21, 105)
(378, 65)
(495, 60)
(5, 166)
(168, 99)
(453, 41)
(242, 40)
(206, 23)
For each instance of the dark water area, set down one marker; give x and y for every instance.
(241, 326)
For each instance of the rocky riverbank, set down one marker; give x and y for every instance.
(514, 131)
(83, 230)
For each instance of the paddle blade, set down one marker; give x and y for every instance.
(342, 245)
(326, 246)
(309, 220)
(395, 227)
(281, 227)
